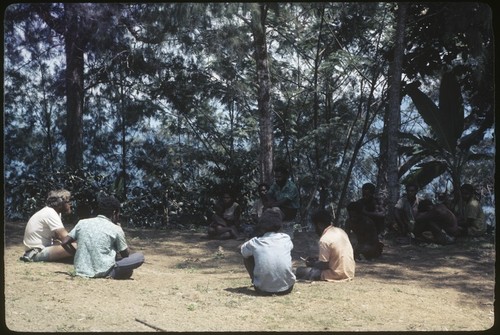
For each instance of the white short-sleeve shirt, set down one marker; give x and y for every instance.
(40, 228)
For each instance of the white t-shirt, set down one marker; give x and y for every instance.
(273, 261)
(40, 228)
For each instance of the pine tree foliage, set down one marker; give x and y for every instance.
(176, 96)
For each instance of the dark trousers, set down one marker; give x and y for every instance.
(125, 266)
(434, 228)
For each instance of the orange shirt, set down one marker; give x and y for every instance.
(336, 249)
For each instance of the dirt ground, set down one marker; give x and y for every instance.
(191, 284)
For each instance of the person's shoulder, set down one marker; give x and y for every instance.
(278, 235)
(474, 202)
(47, 210)
(250, 242)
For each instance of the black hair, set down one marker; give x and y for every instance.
(283, 168)
(424, 204)
(107, 205)
(368, 186)
(411, 184)
(270, 221)
(321, 216)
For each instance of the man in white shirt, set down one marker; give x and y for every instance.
(268, 258)
(45, 230)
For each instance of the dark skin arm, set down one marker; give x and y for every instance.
(314, 263)
(67, 244)
(124, 253)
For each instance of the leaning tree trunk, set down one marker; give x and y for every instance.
(394, 112)
(263, 92)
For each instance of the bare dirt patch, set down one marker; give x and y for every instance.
(189, 283)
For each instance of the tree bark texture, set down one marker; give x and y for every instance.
(394, 111)
(263, 92)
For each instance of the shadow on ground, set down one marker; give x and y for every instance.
(454, 266)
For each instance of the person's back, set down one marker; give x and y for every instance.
(39, 229)
(335, 247)
(335, 261)
(446, 219)
(273, 262)
(268, 258)
(99, 239)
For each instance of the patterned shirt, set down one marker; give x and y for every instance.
(290, 192)
(98, 241)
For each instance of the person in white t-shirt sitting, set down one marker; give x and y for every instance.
(45, 230)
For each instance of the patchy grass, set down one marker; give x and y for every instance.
(189, 283)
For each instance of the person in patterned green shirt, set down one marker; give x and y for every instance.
(284, 194)
(99, 240)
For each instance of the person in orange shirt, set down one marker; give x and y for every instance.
(335, 261)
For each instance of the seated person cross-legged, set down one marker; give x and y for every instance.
(336, 256)
(438, 220)
(99, 240)
(365, 231)
(268, 258)
(226, 219)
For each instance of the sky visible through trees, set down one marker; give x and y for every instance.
(166, 105)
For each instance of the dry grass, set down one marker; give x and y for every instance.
(189, 283)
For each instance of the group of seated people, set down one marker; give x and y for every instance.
(267, 256)
(416, 219)
(96, 246)
(282, 195)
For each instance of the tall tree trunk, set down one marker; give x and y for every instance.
(74, 89)
(317, 62)
(393, 118)
(263, 92)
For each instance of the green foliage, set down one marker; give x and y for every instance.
(447, 125)
(170, 115)
(447, 120)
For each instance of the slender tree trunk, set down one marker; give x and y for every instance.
(74, 90)
(263, 92)
(357, 148)
(393, 119)
(317, 62)
(122, 190)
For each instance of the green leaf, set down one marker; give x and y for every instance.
(426, 143)
(447, 120)
(425, 173)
